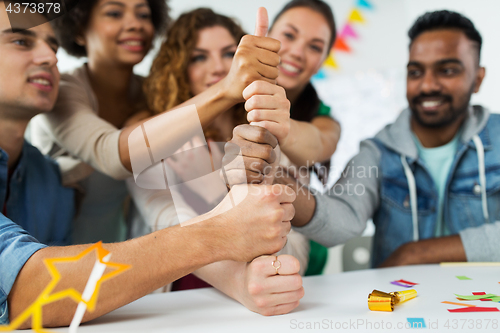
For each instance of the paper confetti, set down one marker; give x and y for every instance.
(404, 283)
(475, 297)
(481, 293)
(462, 277)
(461, 304)
(416, 322)
(474, 309)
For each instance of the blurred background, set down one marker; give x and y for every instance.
(364, 80)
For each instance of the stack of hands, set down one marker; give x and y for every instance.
(248, 167)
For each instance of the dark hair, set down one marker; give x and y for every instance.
(445, 19)
(70, 25)
(318, 6)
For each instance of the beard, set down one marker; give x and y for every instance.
(450, 116)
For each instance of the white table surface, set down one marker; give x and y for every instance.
(331, 303)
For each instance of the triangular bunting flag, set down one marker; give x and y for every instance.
(356, 16)
(348, 31)
(365, 4)
(330, 62)
(320, 75)
(341, 45)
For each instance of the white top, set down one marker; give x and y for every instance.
(74, 135)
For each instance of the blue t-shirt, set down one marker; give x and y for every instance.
(41, 208)
(438, 161)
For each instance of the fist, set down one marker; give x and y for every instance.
(268, 107)
(251, 156)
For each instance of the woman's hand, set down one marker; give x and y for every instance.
(268, 107)
(256, 58)
(268, 293)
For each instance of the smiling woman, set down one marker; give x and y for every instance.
(69, 27)
(197, 53)
(114, 35)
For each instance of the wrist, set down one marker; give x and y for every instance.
(290, 140)
(237, 290)
(214, 236)
(224, 93)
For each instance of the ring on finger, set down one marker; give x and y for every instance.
(276, 264)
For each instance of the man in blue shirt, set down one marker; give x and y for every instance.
(31, 193)
(430, 181)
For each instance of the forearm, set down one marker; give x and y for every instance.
(428, 251)
(226, 276)
(209, 105)
(436, 250)
(156, 260)
(307, 144)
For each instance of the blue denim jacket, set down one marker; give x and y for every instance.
(16, 247)
(42, 208)
(37, 201)
(388, 182)
(463, 201)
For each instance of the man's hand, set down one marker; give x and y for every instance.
(250, 156)
(256, 58)
(428, 251)
(258, 224)
(269, 108)
(269, 294)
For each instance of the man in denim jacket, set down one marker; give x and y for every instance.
(431, 180)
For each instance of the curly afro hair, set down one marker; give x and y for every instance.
(70, 25)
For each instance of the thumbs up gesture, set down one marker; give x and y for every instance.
(255, 59)
(262, 23)
(266, 103)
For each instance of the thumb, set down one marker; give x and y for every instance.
(262, 23)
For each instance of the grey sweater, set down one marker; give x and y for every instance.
(339, 216)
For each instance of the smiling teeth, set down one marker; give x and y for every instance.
(290, 68)
(431, 104)
(43, 82)
(133, 43)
